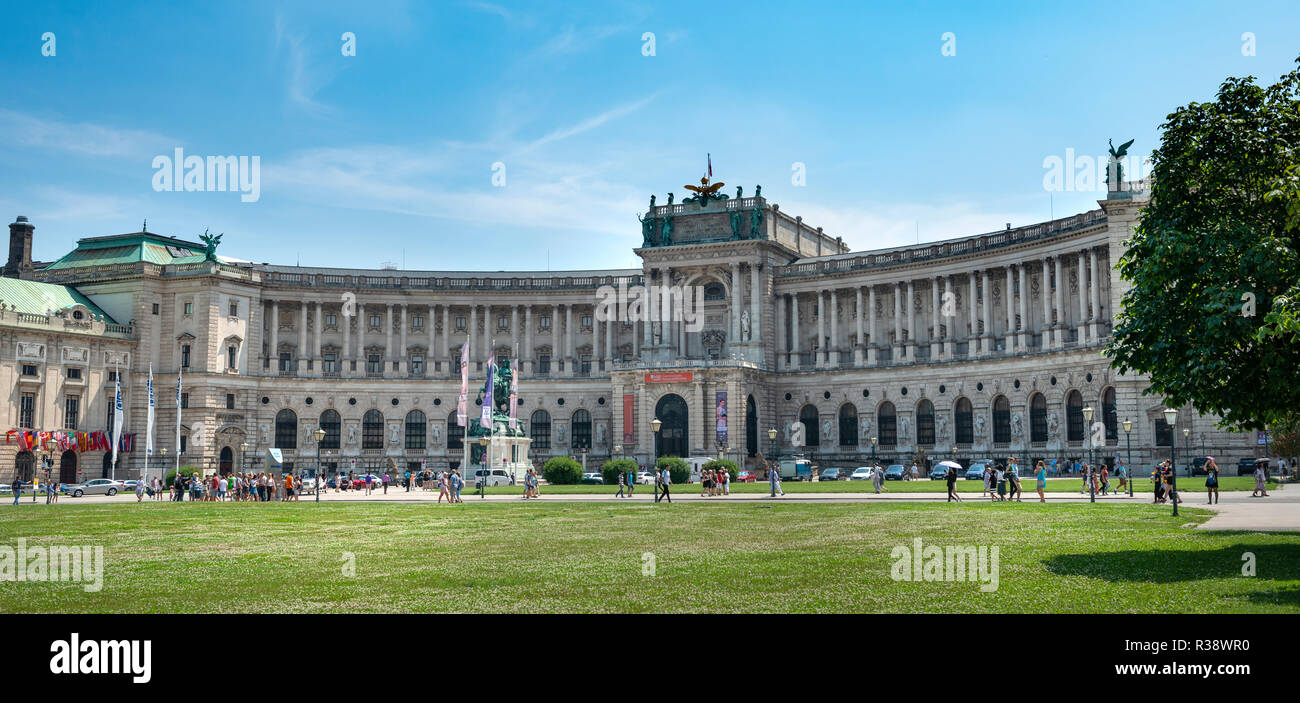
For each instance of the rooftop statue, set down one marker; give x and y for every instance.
(667, 238)
(652, 201)
(647, 231)
(739, 192)
(758, 191)
(737, 221)
(1116, 155)
(210, 253)
(756, 223)
(704, 192)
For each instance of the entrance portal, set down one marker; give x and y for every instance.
(673, 435)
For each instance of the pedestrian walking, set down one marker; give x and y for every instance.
(951, 478)
(665, 479)
(622, 483)
(1211, 482)
(17, 488)
(1040, 481)
(1261, 479)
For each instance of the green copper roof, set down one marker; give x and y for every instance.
(36, 298)
(130, 249)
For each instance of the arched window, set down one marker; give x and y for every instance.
(964, 419)
(1074, 416)
(812, 433)
(848, 425)
(540, 426)
(415, 430)
(887, 422)
(286, 429)
(581, 421)
(25, 465)
(455, 433)
(372, 430)
(1164, 433)
(1038, 418)
(925, 423)
(1109, 416)
(714, 291)
(329, 421)
(1001, 420)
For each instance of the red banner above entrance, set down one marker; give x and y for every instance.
(669, 377)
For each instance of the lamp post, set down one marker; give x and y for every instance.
(874, 439)
(1187, 438)
(486, 443)
(1092, 491)
(655, 424)
(243, 456)
(1128, 438)
(319, 434)
(1171, 417)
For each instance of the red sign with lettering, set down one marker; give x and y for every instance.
(629, 418)
(669, 377)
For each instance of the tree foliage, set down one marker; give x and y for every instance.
(678, 470)
(1214, 262)
(559, 470)
(610, 470)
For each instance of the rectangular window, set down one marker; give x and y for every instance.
(586, 321)
(29, 370)
(374, 365)
(112, 377)
(184, 443)
(285, 361)
(543, 364)
(185, 356)
(71, 411)
(111, 415)
(189, 308)
(234, 308)
(232, 355)
(585, 367)
(230, 401)
(375, 321)
(72, 373)
(155, 308)
(417, 322)
(460, 322)
(331, 320)
(27, 410)
(546, 323)
(185, 400)
(503, 323)
(329, 364)
(417, 364)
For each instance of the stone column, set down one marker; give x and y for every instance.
(820, 360)
(1023, 340)
(274, 351)
(609, 344)
(361, 336)
(469, 336)
(795, 361)
(487, 332)
(972, 335)
(388, 341)
(833, 347)
(871, 326)
(755, 316)
(318, 358)
(1094, 288)
(431, 320)
(1058, 331)
(345, 355)
(1009, 298)
(911, 320)
(934, 319)
(950, 323)
(569, 354)
(301, 351)
(898, 322)
(782, 330)
(528, 339)
(737, 304)
(557, 349)
(987, 345)
(648, 323)
(1044, 294)
(1083, 299)
(452, 362)
(857, 323)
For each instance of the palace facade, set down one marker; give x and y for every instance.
(977, 347)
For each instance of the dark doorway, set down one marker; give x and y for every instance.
(227, 461)
(751, 426)
(673, 436)
(68, 467)
(25, 465)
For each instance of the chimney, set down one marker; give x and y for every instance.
(20, 249)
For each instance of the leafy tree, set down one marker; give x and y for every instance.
(560, 470)
(610, 470)
(678, 469)
(1215, 260)
(186, 471)
(723, 465)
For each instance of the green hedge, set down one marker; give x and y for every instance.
(678, 469)
(610, 470)
(723, 465)
(561, 470)
(186, 471)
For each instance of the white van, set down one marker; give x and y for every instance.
(496, 477)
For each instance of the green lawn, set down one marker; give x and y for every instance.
(571, 557)
(1054, 485)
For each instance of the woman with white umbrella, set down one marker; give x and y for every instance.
(951, 477)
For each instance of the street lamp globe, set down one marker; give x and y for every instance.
(1087, 413)
(1171, 416)
(1186, 431)
(319, 434)
(1128, 425)
(873, 441)
(618, 448)
(771, 434)
(655, 424)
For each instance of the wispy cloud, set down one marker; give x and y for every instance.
(590, 123)
(303, 78)
(82, 138)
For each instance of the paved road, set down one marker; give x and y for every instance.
(1280, 511)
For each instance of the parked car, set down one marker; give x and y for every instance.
(862, 473)
(359, 482)
(938, 473)
(975, 472)
(829, 475)
(1198, 465)
(129, 486)
(894, 473)
(743, 477)
(98, 486)
(499, 477)
(645, 478)
(592, 477)
(1246, 467)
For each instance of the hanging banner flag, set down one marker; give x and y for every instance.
(148, 446)
(514, 394)
(178, 419)
(485, 418)
(722, 418)
(629, 418)
(462, 405)
(117, 414)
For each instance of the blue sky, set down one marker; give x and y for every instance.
(387, 156)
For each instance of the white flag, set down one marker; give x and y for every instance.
(117, 414)
(148, 449)
(462, 406)
(178, 419)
